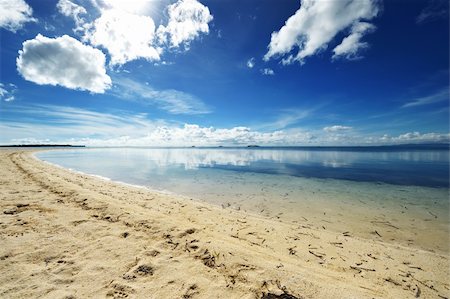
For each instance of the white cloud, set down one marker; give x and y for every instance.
(127, 31)
(14, 14)
(187, 19)
(60, 124)
(267, 72)
(70, 9)
(286, 118)
(336, 128)
(7, 92)
(439, 96)
(172, 101)
(136, 7)
(79, 126)
(435, 10)
(351, 45)
(315, 25)
(125, 36)
(63, 61)
(192, 134)
(251, 63)
(416, 137)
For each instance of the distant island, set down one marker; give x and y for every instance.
(42, 145)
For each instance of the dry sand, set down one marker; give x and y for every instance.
(68, 235)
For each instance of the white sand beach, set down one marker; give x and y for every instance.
(70, 235)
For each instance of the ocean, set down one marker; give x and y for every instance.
(343, 188)
(155, 166)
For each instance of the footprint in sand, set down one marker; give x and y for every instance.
(120, 291)
(141, 270)
(191, 291)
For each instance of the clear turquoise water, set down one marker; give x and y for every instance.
(250, 177)
(157, 167)
(358, 189)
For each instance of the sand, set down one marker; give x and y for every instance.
(70, 235)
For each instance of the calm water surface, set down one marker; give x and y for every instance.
(358, 190)
(154, 167)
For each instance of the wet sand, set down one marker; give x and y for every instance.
(69, 235)
(412, 216)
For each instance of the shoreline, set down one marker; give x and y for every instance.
(397, 214)
(106, 179)
(71, 234)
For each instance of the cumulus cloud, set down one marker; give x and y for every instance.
(63, 61)
(267, 72)
(416, 137)
(336, 128)
(137, 7)
(128, 32)
(70, 9)
(190, 134)
(251, 63)
(172, 101)
(61, 124)
(316, 23)
(187, 20)
(7, 92)
(14, 14)
(351, 45)
(125, 36)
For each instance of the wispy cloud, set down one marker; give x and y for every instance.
(267, 72)
(336, 128)
(286, 118)
(75, 117)
(435, 9)
(170, 100)
(49, 123)
(59, 124)
(7, 92)
(439, 96)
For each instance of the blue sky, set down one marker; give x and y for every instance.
(343, 72)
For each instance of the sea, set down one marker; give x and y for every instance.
(361, 188)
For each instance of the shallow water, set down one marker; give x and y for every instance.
(402, 195)
(393, 166)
